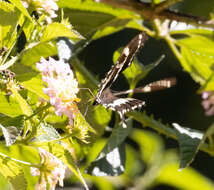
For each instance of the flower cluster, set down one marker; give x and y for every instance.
(208, 102)
(62, 87)
(51, 172)
(47, 7)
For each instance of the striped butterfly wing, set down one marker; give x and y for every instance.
(120, 105)
(151, 87)
(123, 62)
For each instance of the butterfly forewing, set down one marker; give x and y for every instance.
(123, 61)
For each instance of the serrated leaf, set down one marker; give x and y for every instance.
(195, 31)
(197, 57)
(47, 133)
(54, 30)
(189, 141)
(111, 160)
(149, 121)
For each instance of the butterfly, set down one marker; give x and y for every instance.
(112, 100)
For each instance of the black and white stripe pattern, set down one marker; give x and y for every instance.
(123, 62)
(122, 105)
(104, 96)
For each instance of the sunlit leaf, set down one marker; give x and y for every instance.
(34, 53)
(46, 133)
(9, 106)
(198, 59)
(20, 6)
(32, 81)
(25, 107)
(187, 179)
(54, 30)
(8, 24)
(89, 16)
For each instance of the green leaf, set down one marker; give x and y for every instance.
(189, 141)
(188, 179)
(197, 57)
(33, 82)
(11, 159)
(46, 133)
(89, 17)
(4, 183)
(81, 128)
(13, 173)
(8, 24)
(195, 31)
(150, 144)
(54, 30)
(111, 160)
(34, 52)
(26, 109)
(149, 121)
(9, 106)
(22, 153)
(92, 6)
(19, 5)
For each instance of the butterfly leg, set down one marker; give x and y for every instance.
(122, 117)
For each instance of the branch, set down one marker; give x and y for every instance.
(148, 12)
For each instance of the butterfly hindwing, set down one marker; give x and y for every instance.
(123, 105)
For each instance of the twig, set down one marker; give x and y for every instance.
(147, 11)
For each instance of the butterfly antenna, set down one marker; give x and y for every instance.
(88, 90)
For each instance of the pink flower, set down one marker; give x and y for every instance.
(208, 102)
(51, 172)
(62, 87)
(46, 7)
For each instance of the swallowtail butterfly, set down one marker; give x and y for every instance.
(111, 100)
